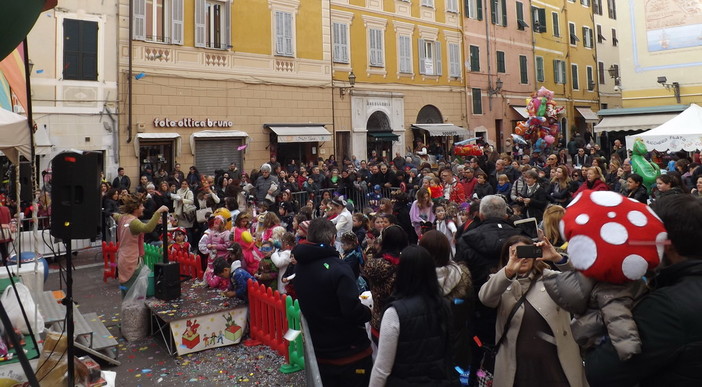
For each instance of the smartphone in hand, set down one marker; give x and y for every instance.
(530, 251)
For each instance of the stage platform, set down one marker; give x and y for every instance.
(200, 319)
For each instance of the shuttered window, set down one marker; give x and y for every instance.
(454, 60)
(341, 43)
(375, 45)
(283, 33)
(80, 50)
(405, 48)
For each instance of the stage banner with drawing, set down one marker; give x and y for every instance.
(209, 331)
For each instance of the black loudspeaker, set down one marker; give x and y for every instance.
(25, 180)
(167, 281)
(75, 196)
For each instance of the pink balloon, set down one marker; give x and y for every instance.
(549, 139)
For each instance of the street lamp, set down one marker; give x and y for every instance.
(352, 82)
(614, 74)
(675, 86)
(498, 87)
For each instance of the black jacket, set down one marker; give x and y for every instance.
(483, 190)
(669, 321)
(640, 194)
(328, 294)
(480, 248)
(537, 205)
(424, 351)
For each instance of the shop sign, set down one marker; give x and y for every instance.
(192, 123)
(300, 138)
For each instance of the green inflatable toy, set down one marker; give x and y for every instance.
(648, 170)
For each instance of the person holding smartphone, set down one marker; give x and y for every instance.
(538, 348)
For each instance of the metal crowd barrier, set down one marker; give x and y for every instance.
(361, 198)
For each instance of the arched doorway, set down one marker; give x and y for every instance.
(436, 143)
(429, 114)
(380, 135)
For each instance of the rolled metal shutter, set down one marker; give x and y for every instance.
(217, 153)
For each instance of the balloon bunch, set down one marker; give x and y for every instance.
(542, 127)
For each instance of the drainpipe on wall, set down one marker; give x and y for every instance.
(129, 74)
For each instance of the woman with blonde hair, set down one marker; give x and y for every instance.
(594, 181)
(561, 187)
(552, 218)
(612, 177)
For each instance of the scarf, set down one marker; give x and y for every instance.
(391, 258)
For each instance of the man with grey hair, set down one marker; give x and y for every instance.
(266, 185)
(480, 249)
(328, 295)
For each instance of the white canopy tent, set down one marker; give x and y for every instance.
(15, 139)
(682, 132)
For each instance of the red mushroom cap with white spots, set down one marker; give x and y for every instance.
(612, 238)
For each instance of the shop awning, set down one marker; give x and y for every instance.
(632, 122)
(42, 143)
(211, 134)
(383, 136)
(587, 114)
(312, 133)
(442, 130)
(156, 137)
(521, 110)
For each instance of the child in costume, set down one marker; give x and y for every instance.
(436, 191)
(214, 243)
(281, 258)
(267, 271)
(445, 224)
(241, 234)
(180, 242)
(236, 279)
(613, 242)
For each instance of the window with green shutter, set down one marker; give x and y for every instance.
(501, 66)
(474, 58)
(477, 99)
(523, 70)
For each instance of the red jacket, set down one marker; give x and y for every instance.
(457, 194)
(469, 186)
(597, 185)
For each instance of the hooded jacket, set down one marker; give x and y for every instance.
(669, 321)
(328, 294)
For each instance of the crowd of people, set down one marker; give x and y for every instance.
(434, 242)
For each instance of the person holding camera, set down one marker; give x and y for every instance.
(535, 345)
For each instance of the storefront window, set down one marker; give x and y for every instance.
(155, 155)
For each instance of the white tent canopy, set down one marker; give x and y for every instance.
(14, 136)
(682, 132)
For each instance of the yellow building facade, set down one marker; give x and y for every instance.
(408, 82)
(565, 55)
(210, 76)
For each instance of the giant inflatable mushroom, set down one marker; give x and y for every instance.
(612, 238)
